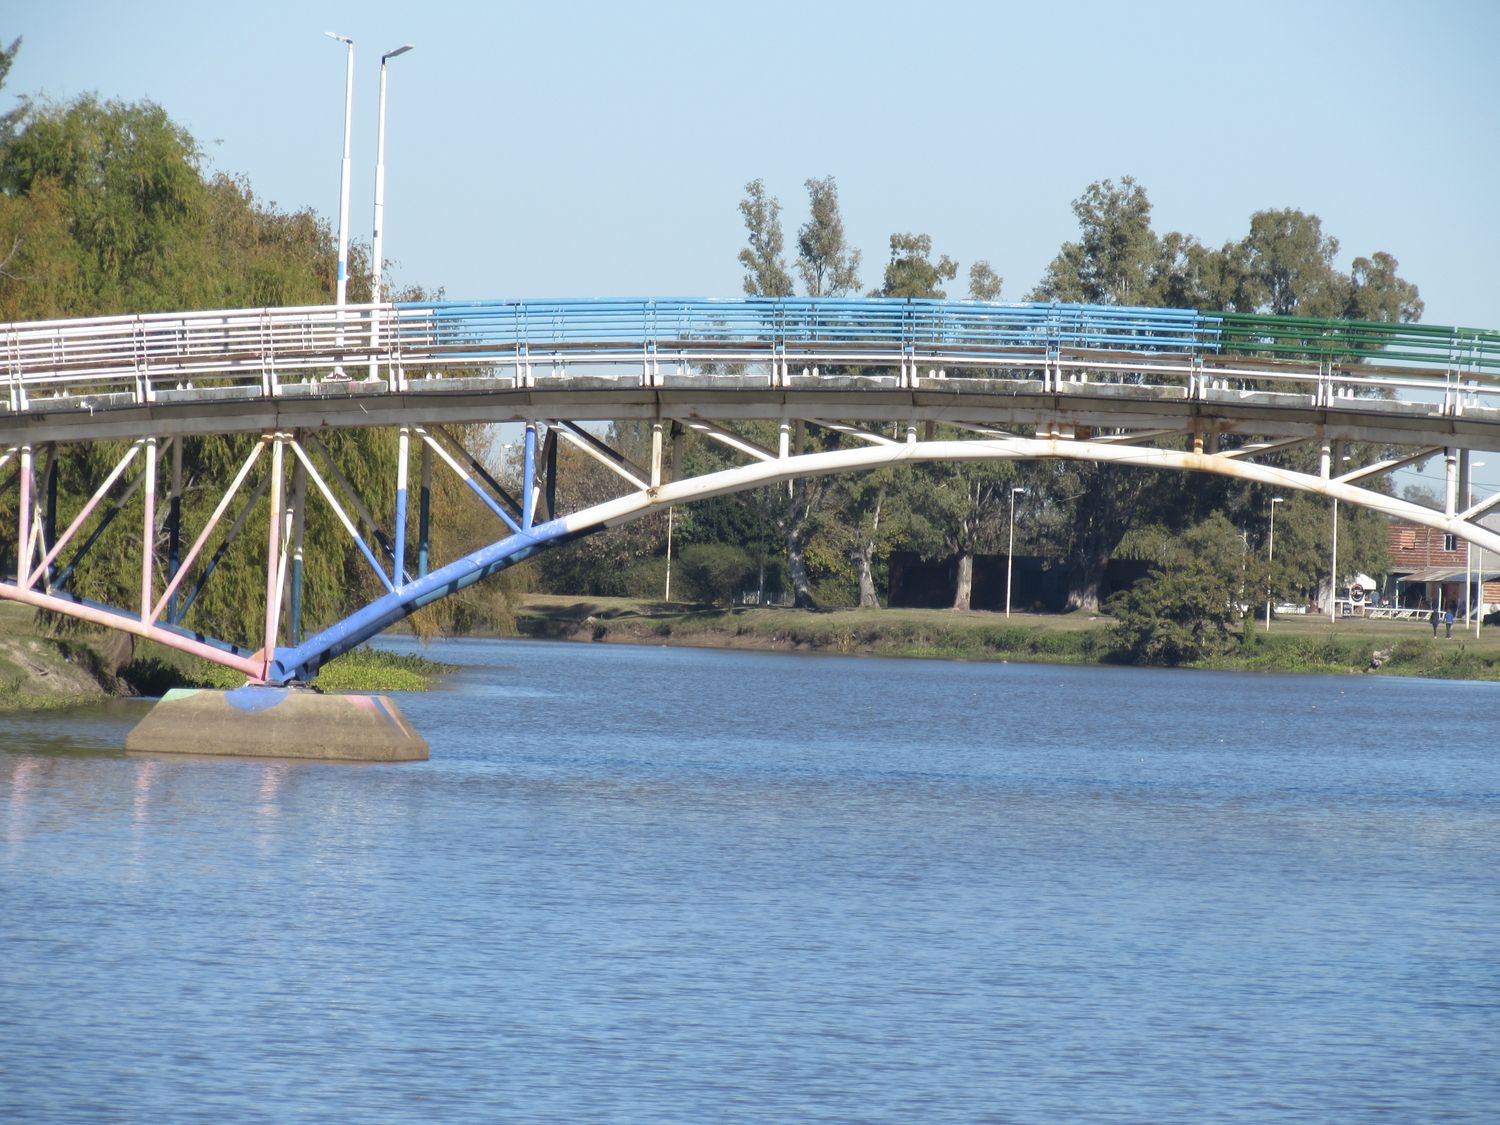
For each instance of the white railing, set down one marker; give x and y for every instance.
(268, 352)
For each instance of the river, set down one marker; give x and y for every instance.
(644, 884)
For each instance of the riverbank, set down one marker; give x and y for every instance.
(1297, 644)
(39, 671)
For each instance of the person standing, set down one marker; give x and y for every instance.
(1433, 618)
(1448, 623)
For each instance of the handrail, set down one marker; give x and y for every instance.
(133, 355)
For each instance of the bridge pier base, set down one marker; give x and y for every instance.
(270, 722)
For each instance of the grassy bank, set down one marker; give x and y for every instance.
(1293, 645)
(39, 670)
(364, 669)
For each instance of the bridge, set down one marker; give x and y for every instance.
(1164, 389)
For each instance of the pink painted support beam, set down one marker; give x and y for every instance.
(23, 529)
(213, 522)
(148, 528)
(273, 554)
(66, 537)
(252, 667)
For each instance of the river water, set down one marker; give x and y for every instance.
(670, 885)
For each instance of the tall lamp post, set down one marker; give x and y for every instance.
(1010, 550)
(1333, 576)
(343, 274)
(1469, 559)
(376, 265)
(377, 261)
(1271, 558)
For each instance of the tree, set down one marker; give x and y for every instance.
(984, 283)
(104, 209)
(1111, 263)
(911, 272)
(828, 265)
(1186, 610)
(1285, 266)
(1377, 293)
(765, 268)
(961, 512)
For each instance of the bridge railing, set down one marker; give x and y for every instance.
(263, 351)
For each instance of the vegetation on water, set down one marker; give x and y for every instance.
(362, 669)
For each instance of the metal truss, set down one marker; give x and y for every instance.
(1148, 389)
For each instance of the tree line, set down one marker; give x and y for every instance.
(829, 540)
(107, 207)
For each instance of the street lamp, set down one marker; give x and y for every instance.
(1469, 558)
(377, 262)
(1271, 558)
(1333, 577)
(376, 289)
(343, 274)
(1010, 551)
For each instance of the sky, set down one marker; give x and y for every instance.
(601, 149)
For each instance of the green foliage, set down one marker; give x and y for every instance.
(1186, 611)
(765, 268)
(828, 264)
(1112, 261)
(716, 573)
(984, 283)
(911, 272)
(374, 669)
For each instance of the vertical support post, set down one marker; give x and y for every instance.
(549, 455)
(528, 479)
(1450, 502)
(784, 440)
(148, 528)
(299, 509)
(174, 526)
(667, 593)
(51, 522)
(655, 454)
(273, 550)
(1466, 487)
(424, 511)
(1333, 568)
(23, 529)
(403, 461)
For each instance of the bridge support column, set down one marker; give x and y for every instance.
(403, 468)
(23, 522)
(299, 507)
(148, 528)
(269, 722)
(528, 479)
(174, 527)
(273, 548)
(424, 511)
(655, 454)
(1450, 481)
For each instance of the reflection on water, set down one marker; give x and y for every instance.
(641, 884)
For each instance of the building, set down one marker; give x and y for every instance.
(1431, 568)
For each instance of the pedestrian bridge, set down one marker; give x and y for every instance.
(900, 380)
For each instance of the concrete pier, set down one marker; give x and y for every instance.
(269, 722)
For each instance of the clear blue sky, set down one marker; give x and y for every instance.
(587, 149)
